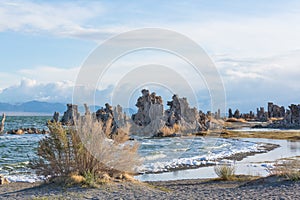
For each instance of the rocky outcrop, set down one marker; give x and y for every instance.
(55, 117)
(2, 123)
(294, 114)
(22, 131)
(71, 115)
(149, 107)
(237, 114)
(203, 122)
(275, 111)
(106, 117)
(120, 117)
(262, 115)
(289, 118)
(113, 120)
(230, 115)
(179, 118)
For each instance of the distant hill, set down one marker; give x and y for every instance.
(33, 107)
(38, 108)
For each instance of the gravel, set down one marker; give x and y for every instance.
(263, 188)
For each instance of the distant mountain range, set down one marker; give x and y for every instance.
(33, 107)
(38, 107)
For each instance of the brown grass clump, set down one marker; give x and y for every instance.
(225, 172)
(77, 179)
(275, 119)
(166, 131)
(289, 135)
(289, 169)
(84, 153)
(236, 120)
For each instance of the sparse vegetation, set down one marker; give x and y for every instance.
(289, 135)
(84, 153)
(225, 171)
(289, 169)
(168, 131)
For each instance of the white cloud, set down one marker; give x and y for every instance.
(61, 92)
(63, 18)
(47, 74)
(28, 90)
(252, 82)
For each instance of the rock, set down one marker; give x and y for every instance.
(87, 109)
(29, 131)
(70, 115)
(295, 113)
(147, 103)
(55, 117)
(275, 111)
(237, 114)
(2, 123)
(112, 120)
(3, 180)
(262, 115)
(105, 115)
(202, 122)
(119, 116)
(178, 119)
(230, 115)
(17, 132)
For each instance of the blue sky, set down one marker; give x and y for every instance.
(254, 44)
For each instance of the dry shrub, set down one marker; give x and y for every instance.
(168, 131)
(225, 172)
(289, 169)
(84, 150)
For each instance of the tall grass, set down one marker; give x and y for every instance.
(289, 169)
(84, 150)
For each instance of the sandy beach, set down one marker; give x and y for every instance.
(263, 188)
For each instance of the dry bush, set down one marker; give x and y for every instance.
(289, 169)
(84, 150)
(167, 131)
(225, 172)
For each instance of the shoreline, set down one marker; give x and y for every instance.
(264, 148)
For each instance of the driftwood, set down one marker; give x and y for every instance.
(2, 123)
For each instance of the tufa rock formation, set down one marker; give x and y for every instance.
(55, 117)
(179, 118)
(149, 108)
(113, 121)
(293, 116)
(70, 115)
(230, 115)
(237, 114)
(283, 118)
(106, 116)
(275, 111)
(262, 115)
(2, 123)
(22, 131)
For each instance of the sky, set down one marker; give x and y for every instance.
(255, 46)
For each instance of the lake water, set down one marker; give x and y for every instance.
(159, 155)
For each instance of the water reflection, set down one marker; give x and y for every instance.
(294, 146)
